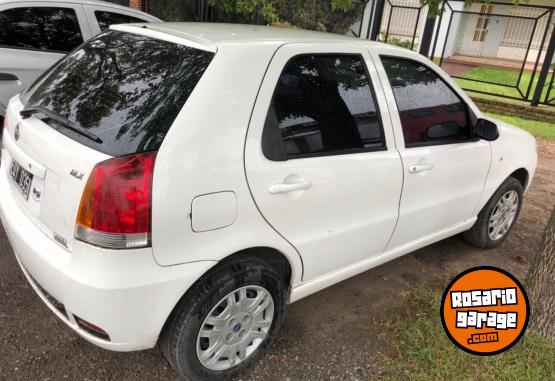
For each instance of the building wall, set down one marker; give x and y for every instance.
(137, 4)
(507, 38)
(442, 40)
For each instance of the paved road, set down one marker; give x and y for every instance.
(334, 334)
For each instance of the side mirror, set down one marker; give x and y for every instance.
(443, 131)
(486, 129)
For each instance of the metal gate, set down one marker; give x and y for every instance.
(402, 22)
(495, 49)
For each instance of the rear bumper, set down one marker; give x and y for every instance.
(126, 293)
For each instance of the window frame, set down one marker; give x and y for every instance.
(470, 116)
(99, 10)
(82, 32)
(89, 9)
(351, 151)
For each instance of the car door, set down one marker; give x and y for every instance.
(445, 167)
(33, 36)
(320, 156)
(101, 17)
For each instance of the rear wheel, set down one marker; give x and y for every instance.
(498, 216)
(226, 322)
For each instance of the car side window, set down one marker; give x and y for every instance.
(40, 28)
(322, 105)
(105, 19)
(431, 112)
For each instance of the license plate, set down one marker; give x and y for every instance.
(22, 178)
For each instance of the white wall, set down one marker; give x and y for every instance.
(366, 19)
(454, 30)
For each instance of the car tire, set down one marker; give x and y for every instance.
(185, 346)
(500, 212)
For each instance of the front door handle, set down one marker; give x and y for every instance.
(284, 188)
(420, 168)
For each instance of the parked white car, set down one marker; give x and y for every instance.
(36, 34)
(181, 183)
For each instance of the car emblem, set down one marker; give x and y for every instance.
(17, 132)
(61, 240)
(75, 173)
(37, 193)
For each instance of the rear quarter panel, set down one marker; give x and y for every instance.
(202, 154)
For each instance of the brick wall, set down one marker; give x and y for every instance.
(137, 4)
(540, 113)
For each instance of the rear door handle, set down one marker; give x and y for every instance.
(8, 77)
(420, 168)
(284, 188)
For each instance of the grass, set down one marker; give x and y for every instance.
(541, 130)
(501, 77)
(423, 351)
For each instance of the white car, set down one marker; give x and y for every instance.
(181, 183)
(36, 34)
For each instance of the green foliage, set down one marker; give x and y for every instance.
(125, 3)
(335, 16)
(247, 8)
(504, 79)
(323, 15)
(341, 5)
(396, 41)
(541, 130)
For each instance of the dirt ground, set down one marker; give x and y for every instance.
(332, 335)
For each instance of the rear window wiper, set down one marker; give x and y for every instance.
(30, 110)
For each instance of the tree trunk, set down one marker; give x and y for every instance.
(541, 284)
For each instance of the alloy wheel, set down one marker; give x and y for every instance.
(235, 327)
(503, 215)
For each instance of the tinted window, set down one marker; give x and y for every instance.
(430, 111)
(41, 28)
(123, 89)
(105, 19)
(322, 104)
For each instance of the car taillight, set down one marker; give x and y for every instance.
(115, 209)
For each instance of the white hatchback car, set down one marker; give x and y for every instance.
(181, 183)
(34, 34)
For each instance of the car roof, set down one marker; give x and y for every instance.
(84, 2)
(210, 35)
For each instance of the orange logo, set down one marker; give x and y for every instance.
(485, 311)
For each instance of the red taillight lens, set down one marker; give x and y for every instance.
(115, 210)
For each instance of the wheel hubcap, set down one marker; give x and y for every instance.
(235, 327)
(503, 215)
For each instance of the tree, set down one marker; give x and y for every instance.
(325, 15)
(540, 285)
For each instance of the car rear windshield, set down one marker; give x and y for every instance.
(119, 93)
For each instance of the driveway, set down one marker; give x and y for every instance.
(334, 334)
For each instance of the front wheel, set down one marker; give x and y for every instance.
(498, 216)
(226, 322)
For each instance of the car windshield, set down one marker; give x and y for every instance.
(119, 92)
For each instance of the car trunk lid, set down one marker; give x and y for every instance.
(59, 167)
